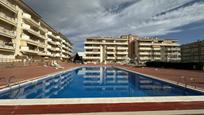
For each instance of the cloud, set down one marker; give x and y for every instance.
(79, 19)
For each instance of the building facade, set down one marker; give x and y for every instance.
(154, 49)
(193, 52)
(106, 50)
(130, 47)
(23, 33)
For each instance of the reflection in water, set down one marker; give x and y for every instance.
(90, 82)
(40, 89)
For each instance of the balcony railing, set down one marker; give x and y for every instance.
(7, 33)
(26, 49)
(33, 42)
(51, 42)
(8, 19)
(33, 32)
(122, 48)
(8, 5)
(6, 45)
(29, 19)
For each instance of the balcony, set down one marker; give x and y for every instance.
(145, 58)
(91, 52)
(57, 55)
(121, 43)
(92, 47)
(42, 29)
(53, 36)
(141, 48)
(51, 42)
(6, 47)
(42, 53)
(49, 53)
(111, 52)
(122, 53)
(29, 20)
(57, 49)
(58, 43)
(90, 57)
(112, 48)
(7, 19)
(8, 5)
(121, 58)
(122, 48)
(145, 53)
(51, 48)
(157, 49)
(27, 50)
(33, 42)
(112, 58)
(7, 33)
(173, 49)
(157, 58)
(66, 48)
(158, 54)
(33, 32)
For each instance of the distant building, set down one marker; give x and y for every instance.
(130, 48)
(106, 50)
(23, 33)
(143, 50)
(193, 52)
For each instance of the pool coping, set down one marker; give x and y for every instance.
(62, 101)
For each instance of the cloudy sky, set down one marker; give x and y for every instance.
(79, 19)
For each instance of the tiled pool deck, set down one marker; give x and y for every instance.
(50, 106)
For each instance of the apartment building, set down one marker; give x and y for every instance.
(23, 33)
(106, 50)
(193, 52)
(8, 25)
(155, 49)
(131, 48)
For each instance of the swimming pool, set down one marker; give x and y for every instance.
(96, 82)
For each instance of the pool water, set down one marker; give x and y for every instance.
(96, 82)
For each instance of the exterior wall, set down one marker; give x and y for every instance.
(30, 37)
(193, 52)
(106, 50)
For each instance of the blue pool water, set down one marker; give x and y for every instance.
(93, 82)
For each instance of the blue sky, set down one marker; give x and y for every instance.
(79, 19)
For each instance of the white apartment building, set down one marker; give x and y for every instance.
(128, 47)
(106, 50)
(23, 33)
(155, 49)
